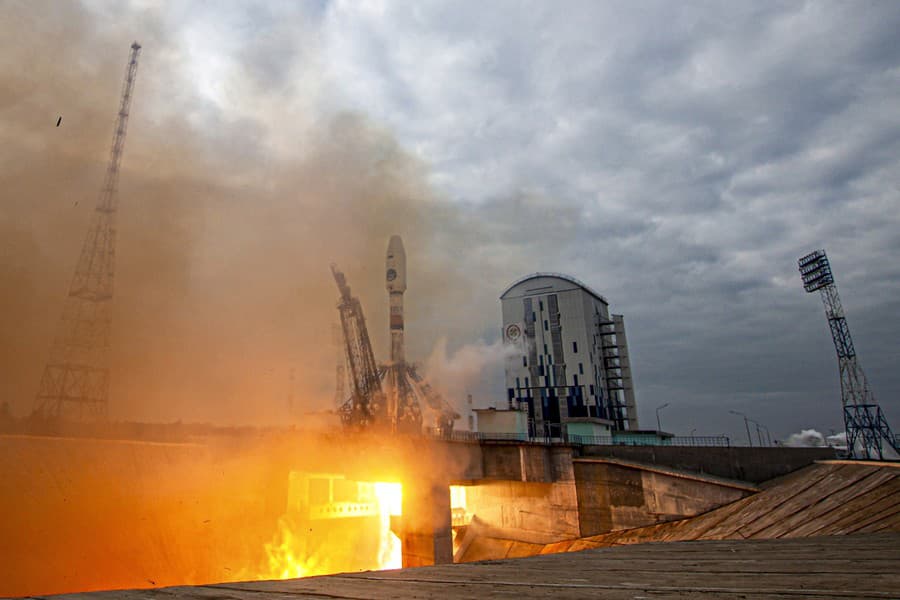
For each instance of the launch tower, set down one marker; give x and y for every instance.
(389, 396)
(75, 381)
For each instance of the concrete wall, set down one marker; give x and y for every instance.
(615, 496)
(754, 465)
(526, 462)
(81, 514)
(512, 422)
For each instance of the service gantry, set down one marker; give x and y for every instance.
(75, 381)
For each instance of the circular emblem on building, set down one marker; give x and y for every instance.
(513, 332)
(391, 275)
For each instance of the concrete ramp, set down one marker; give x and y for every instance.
(827, 498)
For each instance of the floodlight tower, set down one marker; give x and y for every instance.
(868, 433)
(75, 381)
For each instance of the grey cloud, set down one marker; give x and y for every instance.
(679, 158)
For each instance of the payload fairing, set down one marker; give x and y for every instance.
(395, 281)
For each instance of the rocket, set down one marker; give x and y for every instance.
(395, 282)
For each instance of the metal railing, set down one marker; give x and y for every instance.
(719, 441)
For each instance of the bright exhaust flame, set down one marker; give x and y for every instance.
(390, 504)
(334, 525)
(287, 556)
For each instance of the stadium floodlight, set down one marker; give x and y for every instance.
(815, 270)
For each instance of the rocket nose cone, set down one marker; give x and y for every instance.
(396, 265)
(395, 247)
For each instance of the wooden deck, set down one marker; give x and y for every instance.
(854, 566)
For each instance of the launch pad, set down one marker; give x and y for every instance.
(388, 396)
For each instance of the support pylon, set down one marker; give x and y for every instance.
(75, 381)
(868, 435)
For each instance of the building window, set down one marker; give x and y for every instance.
(580, 369)
(574, 379)
(546, 325)
(533, 317)
(574, 347)
(541, 359)
(526, 383)
(592, 389)
(549, 359)
(524, 361)
(541, 305)
(545, 349)
(541, 370)
(518, 385)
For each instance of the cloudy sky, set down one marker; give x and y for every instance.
(678, 158)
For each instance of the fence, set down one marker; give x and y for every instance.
(720, 441)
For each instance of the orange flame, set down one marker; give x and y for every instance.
(290, 556)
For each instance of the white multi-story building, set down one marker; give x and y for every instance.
(569, 368)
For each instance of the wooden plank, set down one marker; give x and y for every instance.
(770, 500)
(850, 567)
(884, 506)
(884, 521)
(834, 502)
(842, 477)
(853, 509)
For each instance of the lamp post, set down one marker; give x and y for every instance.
(659, 408)
(746, 424)
(759, 429)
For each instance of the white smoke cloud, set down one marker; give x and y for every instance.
(807, 438)
(810, 438)
(471, 369)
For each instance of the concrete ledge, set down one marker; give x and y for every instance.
(701, 477)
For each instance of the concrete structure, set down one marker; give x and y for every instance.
(112, 514)
(776, 569)
(572, 360)
(753, 465)
(511, 423)
(831, 498)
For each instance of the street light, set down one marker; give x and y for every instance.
(659, 408)
(746, 424)
(759, 429)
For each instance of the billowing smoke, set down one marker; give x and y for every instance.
(226, 230)
(471, 369)
(810, 438)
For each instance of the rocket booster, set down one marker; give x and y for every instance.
(395, 282)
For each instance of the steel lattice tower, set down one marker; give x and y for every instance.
(868, 433)
(75, 382)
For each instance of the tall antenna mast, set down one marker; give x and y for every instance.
(75, 382)
(868, 433)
